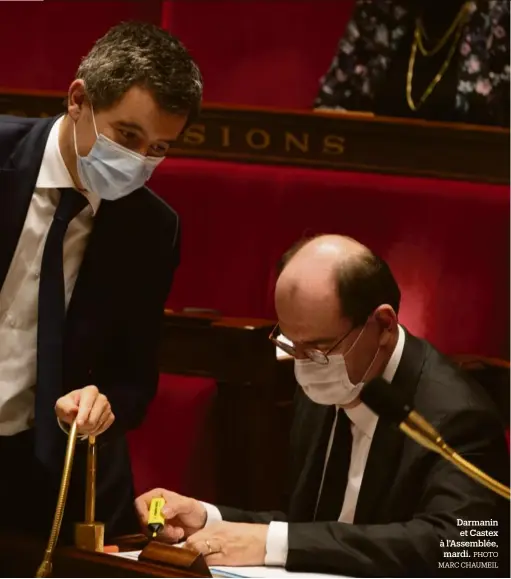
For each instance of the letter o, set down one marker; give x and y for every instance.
(249, 137)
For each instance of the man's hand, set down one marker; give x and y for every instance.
(183, 515)
(90, 408)
(235, 544)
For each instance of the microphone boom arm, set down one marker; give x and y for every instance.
(424, 434)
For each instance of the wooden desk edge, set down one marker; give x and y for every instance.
(221, 321)
(30, 551)
(67, 555)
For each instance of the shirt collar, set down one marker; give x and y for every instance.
(362, 416)
(53, 173)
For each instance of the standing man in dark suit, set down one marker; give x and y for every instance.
(366, 500)
(87, 256)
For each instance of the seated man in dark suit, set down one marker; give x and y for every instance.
(366, 500)
(87, 255)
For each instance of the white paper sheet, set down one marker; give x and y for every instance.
(262, 572)
(133, 555)
(273, 572)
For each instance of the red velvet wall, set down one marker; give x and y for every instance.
(41, 43)
(260, 52)
(256, 52)
(446, 241)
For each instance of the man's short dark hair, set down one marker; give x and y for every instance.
(141, 54)
(364, 283)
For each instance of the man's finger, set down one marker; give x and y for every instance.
(66, 409)
(87, 399)
(106, 420)
(99, 411)
(174, 509)
(197, 541)
(143, 501)
(216, 559)
(204, 543)
(173, 533)
(100, 424)
(142, 509)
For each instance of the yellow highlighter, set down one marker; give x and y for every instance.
(156, 519)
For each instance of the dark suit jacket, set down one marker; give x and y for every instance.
(113, 320)
(410, 498)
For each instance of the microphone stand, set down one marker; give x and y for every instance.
(46, 566)
(88, 535)
(417, 428)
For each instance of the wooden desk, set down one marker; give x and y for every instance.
(21, 557)
(253, 406)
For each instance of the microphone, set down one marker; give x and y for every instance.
(380, 396)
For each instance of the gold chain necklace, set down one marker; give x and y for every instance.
(458, 21)
(457, 24)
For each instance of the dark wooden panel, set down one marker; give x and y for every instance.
(228, 350)
(324, 140)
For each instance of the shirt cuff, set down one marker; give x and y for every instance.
(276, 545)
(213, 515)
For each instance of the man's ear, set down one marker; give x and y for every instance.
(75, 99)
(386, 318)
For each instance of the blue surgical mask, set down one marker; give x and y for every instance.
(111, 170)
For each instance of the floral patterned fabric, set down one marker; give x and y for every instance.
(371, 40)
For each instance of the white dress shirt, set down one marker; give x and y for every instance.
(363, 424)
(19, 295)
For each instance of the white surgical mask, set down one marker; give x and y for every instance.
(330, 383)
(111, 170)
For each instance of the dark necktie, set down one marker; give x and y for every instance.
(336, 473)
(51, 321)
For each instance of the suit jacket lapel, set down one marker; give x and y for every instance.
(18, 177)
(387, 443)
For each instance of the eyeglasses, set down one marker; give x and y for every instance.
(312, 353)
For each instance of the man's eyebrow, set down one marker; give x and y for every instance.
(137, 127)
(130, 125)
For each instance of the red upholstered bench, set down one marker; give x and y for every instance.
(174, 448)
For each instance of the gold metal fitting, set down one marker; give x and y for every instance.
(90, 535)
